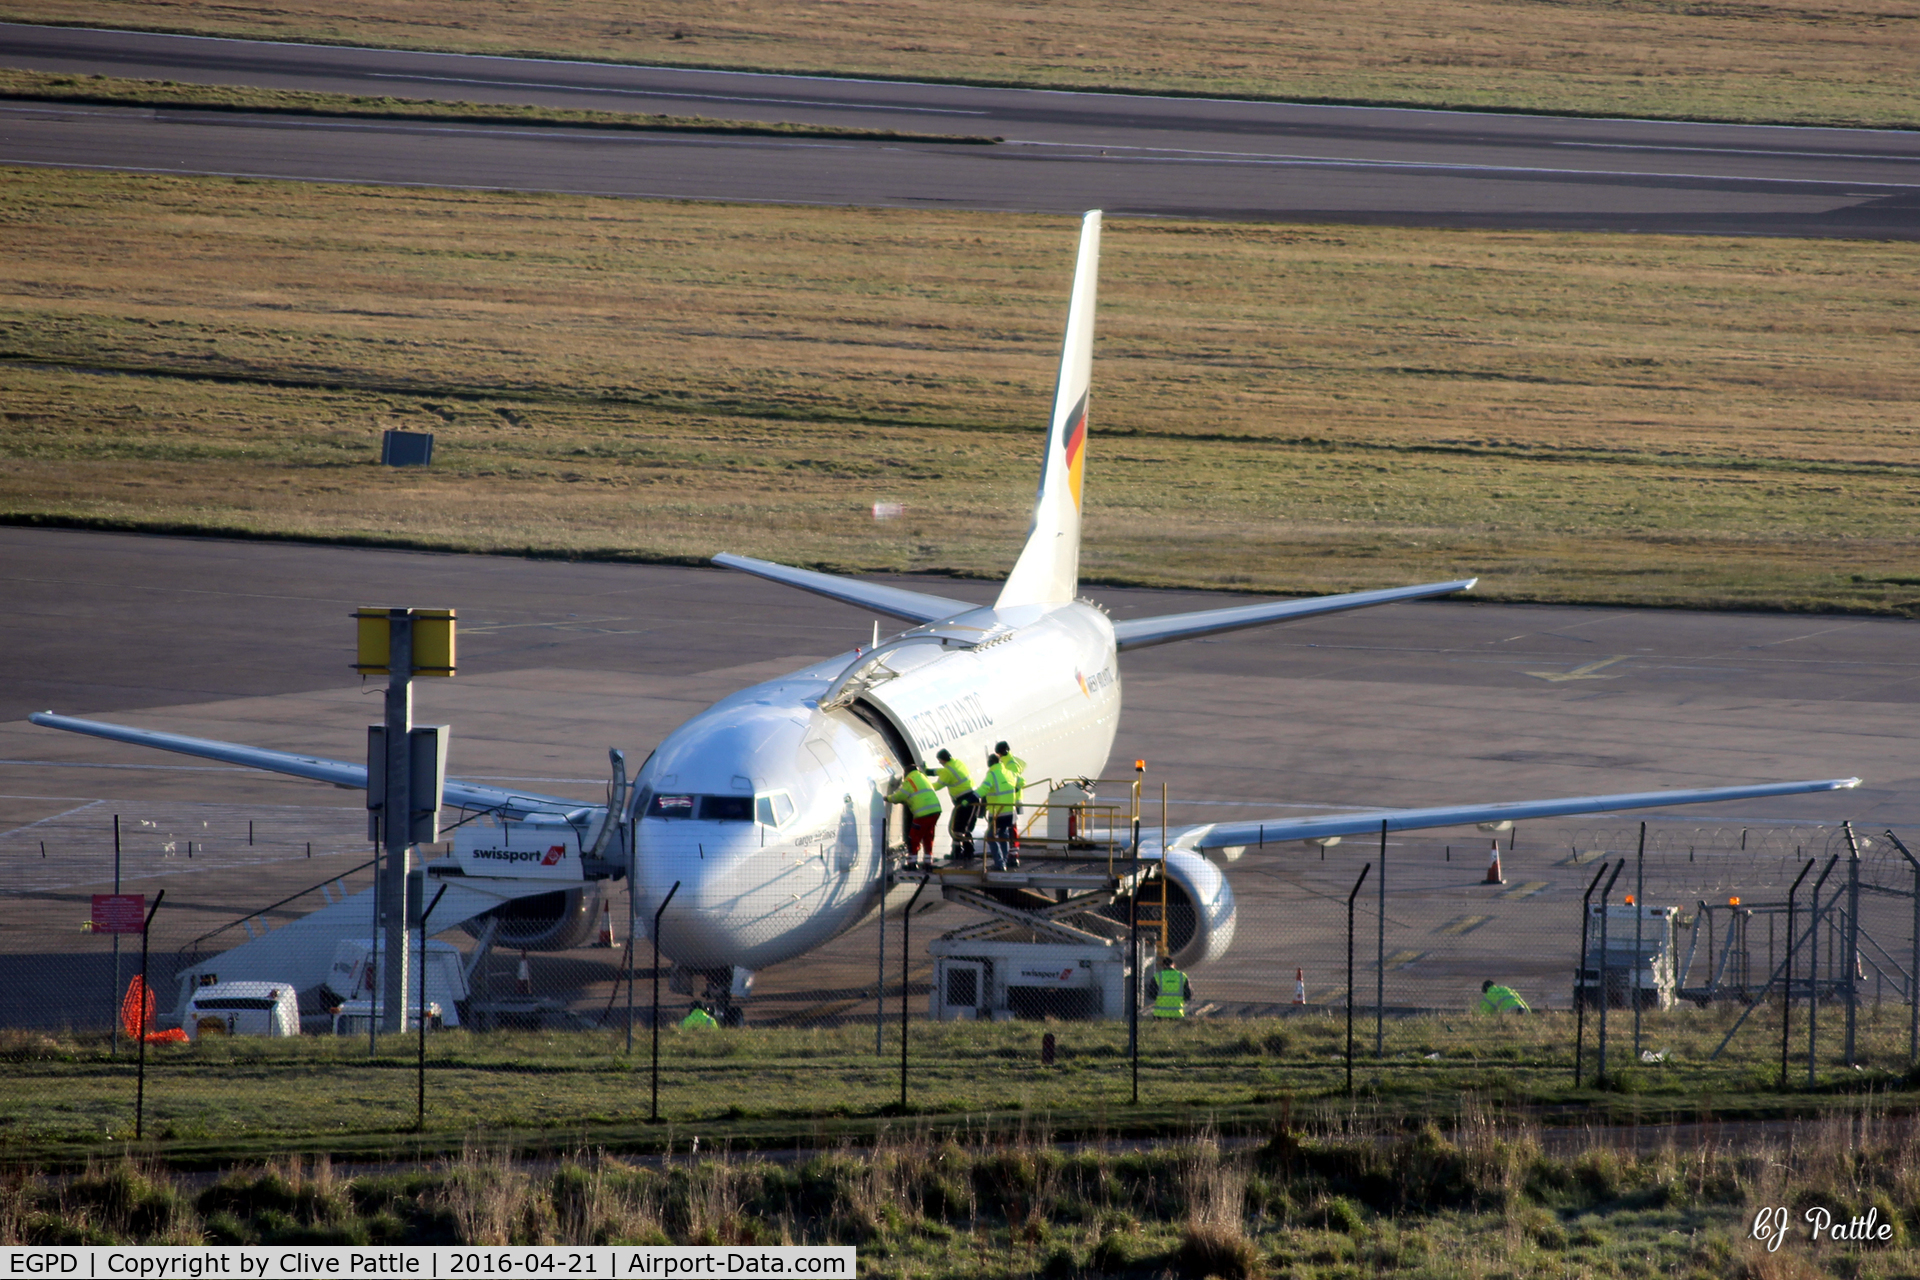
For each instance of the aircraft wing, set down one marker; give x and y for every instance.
(895, 602)
(1139, 633)
(1240, 835)
(340, 773)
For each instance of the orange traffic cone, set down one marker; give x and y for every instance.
(606, 925)
(1299, 986)
(1494, 875)
(526, 976)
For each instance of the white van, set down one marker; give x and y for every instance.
(242, 1009)
(350, 980)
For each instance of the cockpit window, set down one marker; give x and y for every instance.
(726, 808)
(773, 810)
(707, 808)
(666, 806)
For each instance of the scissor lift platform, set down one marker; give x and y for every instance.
(1050, 944)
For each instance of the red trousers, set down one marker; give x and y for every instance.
(920, 835)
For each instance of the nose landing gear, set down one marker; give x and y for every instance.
(726, 992)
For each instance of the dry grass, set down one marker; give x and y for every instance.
(1661, 420)
(1350, 1194)
(45, 86)
(1787, 60)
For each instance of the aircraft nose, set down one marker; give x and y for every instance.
(699, 875)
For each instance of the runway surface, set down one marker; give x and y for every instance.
(1063, 152)
(1412, 704)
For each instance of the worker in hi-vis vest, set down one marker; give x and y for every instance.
(966, 803)
(1171, 992)
(1016, 767)
(1001, 794)
(1495, 998)
(923, 813)
(699, 1017)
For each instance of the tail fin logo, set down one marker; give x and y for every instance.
(1075, 444)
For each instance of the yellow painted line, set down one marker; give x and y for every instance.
(1401, 959)
(1526, 890)
(1583, 857)
(1461, 924)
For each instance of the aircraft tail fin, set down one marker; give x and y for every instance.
(1048, 570)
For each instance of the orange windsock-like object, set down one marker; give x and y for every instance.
(136, 1010)
(136, 1015)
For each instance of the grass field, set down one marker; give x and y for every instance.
(65, 1100)
(1773, 60)
(1483, 1197)
(1628, 419)
(1314, 1193)
(118, 91)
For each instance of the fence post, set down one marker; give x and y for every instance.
(1639, 910)
(906, 955)
(113, 996)
(1580, 978)
(1786, 992)
(653, 1115)
(1813, 969)
(1853, 937)
(1913, 971)
(1380, 956)
(1133, 962)
(1606, 997)
(880, 953)
(373, 955)
(420, 1018)
(633, 918)
(1350, 897)
(146, 996)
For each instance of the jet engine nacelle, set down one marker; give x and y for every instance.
(557, 921)
(1200, 909)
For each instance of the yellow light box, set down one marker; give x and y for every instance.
(433, 642)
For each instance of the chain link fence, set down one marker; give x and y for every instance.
(1749, 960)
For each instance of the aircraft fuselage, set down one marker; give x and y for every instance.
(771, 813)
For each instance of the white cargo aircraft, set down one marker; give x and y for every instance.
(768, 809)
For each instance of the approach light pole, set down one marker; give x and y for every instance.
(406, 773)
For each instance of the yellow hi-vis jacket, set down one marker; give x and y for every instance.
(954, 777)
(917, 794)
(1171, 999)
(1000, 791)
(1499, 999)
(1015, 766)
